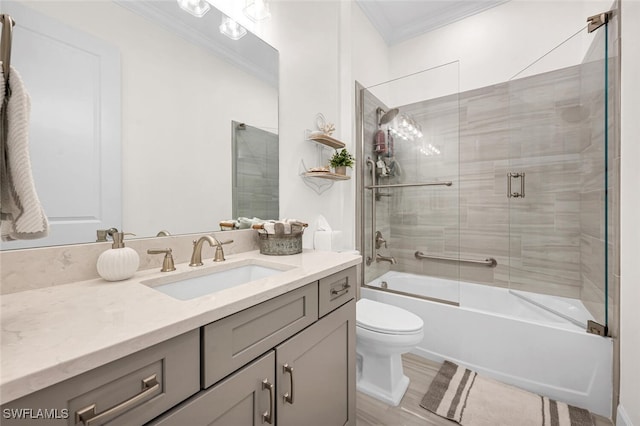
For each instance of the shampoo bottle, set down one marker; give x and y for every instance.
(119, 262)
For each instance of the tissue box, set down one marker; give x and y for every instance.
(327, 240)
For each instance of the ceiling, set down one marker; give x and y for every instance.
(400, 20)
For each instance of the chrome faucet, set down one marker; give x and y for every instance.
(381, 258)
(196, 256)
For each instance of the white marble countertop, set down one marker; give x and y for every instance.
(55, 333)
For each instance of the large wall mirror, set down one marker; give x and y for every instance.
(135, 109)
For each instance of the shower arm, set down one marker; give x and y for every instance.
(372, 165)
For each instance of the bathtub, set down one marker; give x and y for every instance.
(508, 336)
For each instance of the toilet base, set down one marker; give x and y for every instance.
(392, 397)
(381, 377)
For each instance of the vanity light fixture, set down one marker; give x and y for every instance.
(257, 10)
(231, 28)
(195, 7)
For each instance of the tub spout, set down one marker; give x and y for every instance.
(381, 258)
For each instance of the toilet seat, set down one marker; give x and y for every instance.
(382, 318)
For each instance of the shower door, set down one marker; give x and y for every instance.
(556, 181)
(409, 178)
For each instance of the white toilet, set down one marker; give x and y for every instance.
(383, 333)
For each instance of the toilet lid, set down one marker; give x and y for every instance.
(383, 318)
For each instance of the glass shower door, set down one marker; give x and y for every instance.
(556, 179)
(410, 184)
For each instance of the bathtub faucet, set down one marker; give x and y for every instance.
(381, 258)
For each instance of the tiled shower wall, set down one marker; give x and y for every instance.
(548, 126)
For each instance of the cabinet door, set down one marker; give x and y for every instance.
(315, 373)
(245, 398)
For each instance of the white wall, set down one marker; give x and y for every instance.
(370, 54)
(498, 43)
(308, 36)
(630, 227)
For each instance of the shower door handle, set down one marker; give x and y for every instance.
(510, 192)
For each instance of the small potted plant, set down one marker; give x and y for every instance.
(341, 160)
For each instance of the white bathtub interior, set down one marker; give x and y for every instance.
(505, 336)
(546, 309)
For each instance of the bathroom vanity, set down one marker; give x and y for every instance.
(278, 350)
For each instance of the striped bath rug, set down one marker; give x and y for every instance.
(461, 395)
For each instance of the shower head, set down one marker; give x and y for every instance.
(387, 116)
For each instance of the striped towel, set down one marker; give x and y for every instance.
(461, 395)
(21, 214)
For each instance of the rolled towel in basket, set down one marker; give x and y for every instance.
(288, 226)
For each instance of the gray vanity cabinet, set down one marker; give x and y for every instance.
(315, 373)
(306, 375)
(314, 383)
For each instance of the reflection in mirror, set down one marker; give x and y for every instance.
(255, 172)
(131, 105)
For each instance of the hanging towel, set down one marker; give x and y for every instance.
(21, 215)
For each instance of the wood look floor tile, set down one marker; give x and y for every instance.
(371, 412)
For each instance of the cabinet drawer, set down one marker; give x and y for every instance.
(131, 390)
(336, 290)
(232, 342)
(246, 398)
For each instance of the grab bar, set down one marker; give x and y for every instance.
(406, 185)
(371, 164)
(491, 262)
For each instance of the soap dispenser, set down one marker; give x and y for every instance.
(119, 262)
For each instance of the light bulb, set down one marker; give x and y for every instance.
(232, 29)
(195, 7)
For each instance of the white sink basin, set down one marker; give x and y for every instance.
(199, 283)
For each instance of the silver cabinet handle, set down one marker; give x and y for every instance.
(288, 396)
(345, 289)
(267, 416)
(88, 416)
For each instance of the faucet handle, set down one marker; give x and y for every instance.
(219, 256)
(167, 263)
